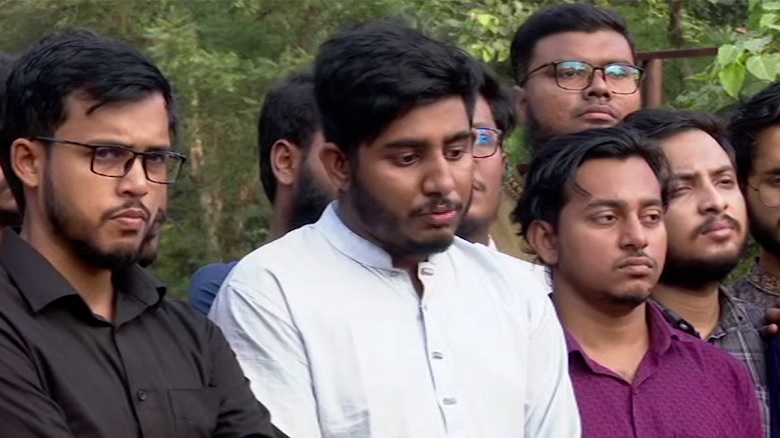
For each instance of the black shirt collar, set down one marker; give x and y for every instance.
(41, 284)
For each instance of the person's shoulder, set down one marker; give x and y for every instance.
(213, 271)
(283, 249)
(708, 357)
(498, 263)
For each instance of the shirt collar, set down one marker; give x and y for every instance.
(41, 284)
(661, 334)
(733, 314)
(354, 246)
(763, 280)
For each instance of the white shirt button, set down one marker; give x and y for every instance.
(449, 401)
(437, 355)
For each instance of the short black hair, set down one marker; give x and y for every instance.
(660, 124)
(746, 121)
(557, 19)
(6, 64)
(73, 61)
(498, 98)
(289, 113)
(553, 170)
(371, 74)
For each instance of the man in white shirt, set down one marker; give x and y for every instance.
(376, 321)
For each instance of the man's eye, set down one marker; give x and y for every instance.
(109, 153)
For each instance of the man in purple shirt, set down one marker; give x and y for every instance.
(593, 212)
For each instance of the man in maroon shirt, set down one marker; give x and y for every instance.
(593, 213)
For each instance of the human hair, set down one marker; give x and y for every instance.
(660, 124)
(498, 99)
(746, 121)
(73, 62)
(552, 174)
(552, 20)
(371, 74)
(6, 63)
(289, 113)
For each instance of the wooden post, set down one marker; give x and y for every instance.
(653, 84)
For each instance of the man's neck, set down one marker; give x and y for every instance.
(699, 307)
(616, 339)
(93, 284)
(280, 224)
(770, 263)
(480, 234)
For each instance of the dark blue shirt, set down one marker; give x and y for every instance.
(206, 283)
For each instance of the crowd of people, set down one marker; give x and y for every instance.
(381, 306)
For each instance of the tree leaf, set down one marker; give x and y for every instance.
(755, 45)
(728, 54)
(762, 67)
(732, 77)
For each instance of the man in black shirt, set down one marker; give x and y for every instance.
(89, 345)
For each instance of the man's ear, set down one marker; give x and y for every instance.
(28, 161)
(336, 165)
(285, 162)
(520, 100)
(544, 241)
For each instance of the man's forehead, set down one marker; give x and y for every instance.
(598, 48)
(629, 180)
(695, 151)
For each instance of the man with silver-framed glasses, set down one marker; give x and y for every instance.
(90, 345)
(494, 120)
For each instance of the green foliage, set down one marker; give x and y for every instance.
(223, 55)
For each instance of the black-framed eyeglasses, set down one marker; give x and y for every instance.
(768, 192)
(114, 161)
(578, 75)
(487, 141)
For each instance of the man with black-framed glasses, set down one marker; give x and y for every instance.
(574, 67)
(89, 344)
(754, 129)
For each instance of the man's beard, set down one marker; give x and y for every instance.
(470, 229)
(535, 135)
(10, 218)
(385, 225)
(692, 273)
(309, 199)
(83, 242)
(765, 236)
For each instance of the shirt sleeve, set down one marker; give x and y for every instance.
(551, 408)
(251, 310)
(26, 410)
(240, 415)
(205, 283)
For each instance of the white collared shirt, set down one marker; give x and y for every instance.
(337, 343)
(539, 272)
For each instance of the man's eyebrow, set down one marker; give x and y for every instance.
(617, 204)
(106, 142)
(460, 136)
(723, 169)
(406, 143)
(690, 175)
(414, 143)
(772, 171)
